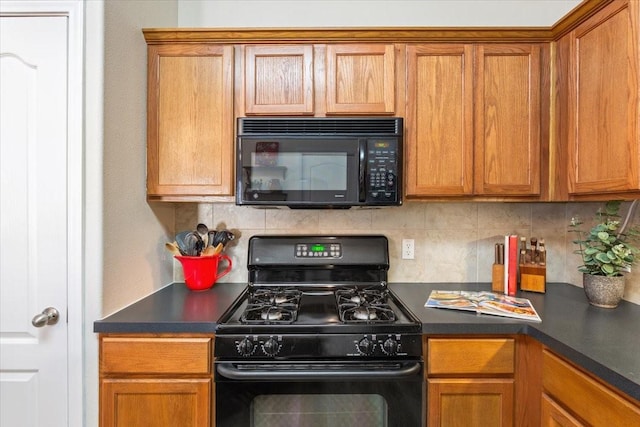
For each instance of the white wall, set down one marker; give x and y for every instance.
(135, 263)
(124, 260)
(359, 13)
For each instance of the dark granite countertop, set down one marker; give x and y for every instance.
(173, 309)
(605, 342)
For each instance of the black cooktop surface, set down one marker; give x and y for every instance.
(317, 284)
(318, 308)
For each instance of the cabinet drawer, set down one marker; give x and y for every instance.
(155, 355)
(585, 397)
(470, 356)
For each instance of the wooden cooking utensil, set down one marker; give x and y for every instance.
(173, 248)
(218, 249)
(209, 251)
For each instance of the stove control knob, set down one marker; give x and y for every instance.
(245, 347)
(365, 346)
(271, 347)
(390, 347)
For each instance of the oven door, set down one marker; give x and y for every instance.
(309, 394)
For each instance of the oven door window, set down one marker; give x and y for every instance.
(284, 410)
(319, 404)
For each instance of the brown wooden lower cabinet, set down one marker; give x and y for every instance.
(553, 415)
(148, 402)
(573, 397)
(166, 380)
(470, 381)
(515, 381)
(470, 402)
(158, 380)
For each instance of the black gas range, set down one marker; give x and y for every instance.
(319, 297)
(318, 339)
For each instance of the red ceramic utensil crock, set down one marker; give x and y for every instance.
(201, 272)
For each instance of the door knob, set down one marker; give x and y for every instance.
(49, 316)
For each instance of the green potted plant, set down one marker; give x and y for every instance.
(608, 251)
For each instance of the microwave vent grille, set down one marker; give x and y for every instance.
(323, 126)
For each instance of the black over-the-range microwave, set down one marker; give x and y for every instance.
(319, 162)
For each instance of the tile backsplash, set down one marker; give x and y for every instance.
(454, 242)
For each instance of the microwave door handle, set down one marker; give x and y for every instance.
(362, 149)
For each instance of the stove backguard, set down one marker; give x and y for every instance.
(325, 260)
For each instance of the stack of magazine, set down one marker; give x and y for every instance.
(484, 303)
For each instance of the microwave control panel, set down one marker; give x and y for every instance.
(382, 170)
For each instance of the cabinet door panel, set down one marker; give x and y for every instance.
(470, 402)
(439, 154)
(553, 415)
(190, 120)
(507, 120)
(279, 79)
(360, 79)
(604, 152)
(594, 402)
(156, 403)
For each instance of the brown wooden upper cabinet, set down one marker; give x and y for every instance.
(360, 79)
(341, 79)
(279, 79)
(475, 120)
(489, 115)
(601, 88)
(189, 121)
(439, 137)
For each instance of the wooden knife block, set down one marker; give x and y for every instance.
(533, 278)
(497, 278)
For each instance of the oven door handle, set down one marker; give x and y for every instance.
(228, 370)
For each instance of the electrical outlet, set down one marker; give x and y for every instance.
(408, 249)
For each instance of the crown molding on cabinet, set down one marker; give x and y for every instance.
(377, 34)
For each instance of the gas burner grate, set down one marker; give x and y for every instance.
(276, 296)
(367, 313)
(267, 306)
(361, 296)
(364, 306)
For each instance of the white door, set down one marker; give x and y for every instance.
(33, 220)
